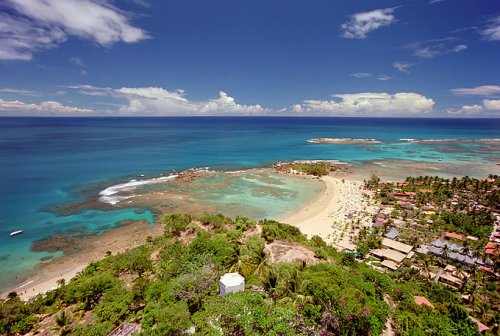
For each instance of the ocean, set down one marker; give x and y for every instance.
(50, 161)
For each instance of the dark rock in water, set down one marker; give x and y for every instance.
(46, 258)
(66, 242)
(140, 211)
(66, 209)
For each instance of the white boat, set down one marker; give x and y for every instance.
(15, 233)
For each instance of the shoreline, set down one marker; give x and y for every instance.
(324, 215)
(45, 276)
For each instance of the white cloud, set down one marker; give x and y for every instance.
(36, 25)
(435, 1)
(484, 90)
(402, 66)
(361, 75)
(159, 101)
(492, 31)
(381, 77)
(17, 107)
(77, 61)
(433, 48)
(488, 108)
(427, 52)
(21, 92)
(492, 104)
(297, 108)
(227, 105)
(373, 104)
(360, 24)
(19, 38)
(459, 48)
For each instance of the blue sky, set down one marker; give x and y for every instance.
(426, 58)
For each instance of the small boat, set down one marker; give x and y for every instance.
(15, 233)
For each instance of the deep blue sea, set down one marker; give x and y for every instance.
(46, 161)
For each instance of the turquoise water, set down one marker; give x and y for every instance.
(49, 161)
(257, 196)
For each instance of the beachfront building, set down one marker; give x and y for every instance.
(396, 246)
(392, 234)
(449, 250)
(392, 251)
(231, 283)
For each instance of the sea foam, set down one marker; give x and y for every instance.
(110, 194)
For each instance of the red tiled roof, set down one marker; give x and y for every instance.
(491, 245)
(487, 269)
(491, 251)
(453, 235)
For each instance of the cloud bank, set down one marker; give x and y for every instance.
(488, 108)
(17, 108)
(371, 104)
(159, 101)
(37, 25)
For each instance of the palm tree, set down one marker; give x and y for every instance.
(270, 281)
(242, 265)
(301, 300)
(445, 251)
(474, 296)
(477, 250)
(63, 320)
(260, 260)
(426, 264)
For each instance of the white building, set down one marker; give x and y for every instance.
(231, 283)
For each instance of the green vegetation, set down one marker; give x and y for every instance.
(169, 285)
(310, 168)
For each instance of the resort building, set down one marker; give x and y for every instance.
(392, 234)
(384, 254)
(390, 264)
(453, 235)
(393, 252)
(396, 246)
(449, 250)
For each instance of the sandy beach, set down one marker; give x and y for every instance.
(337, 214)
